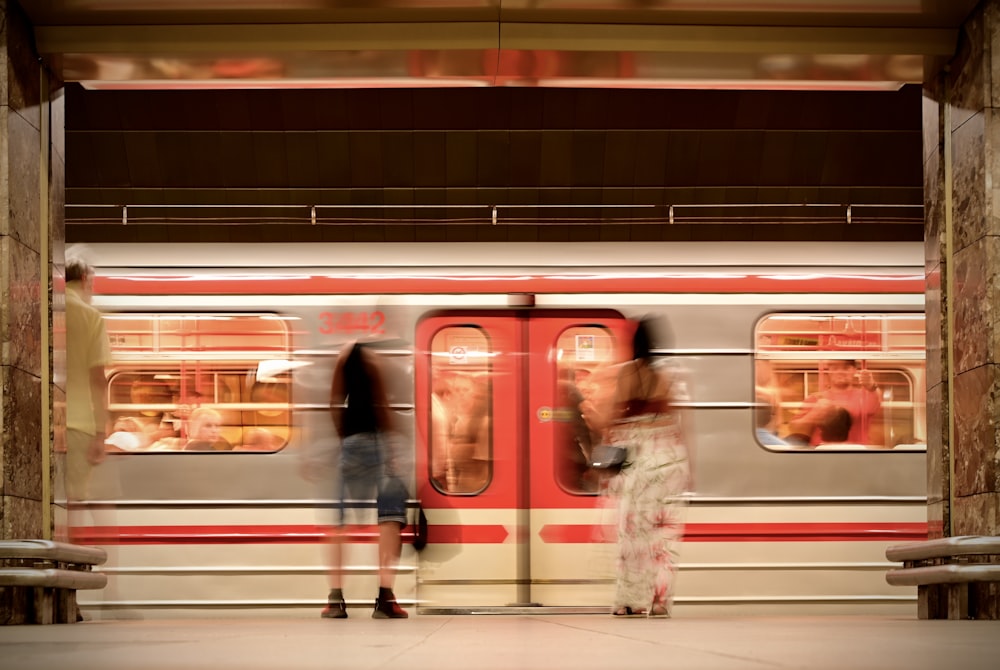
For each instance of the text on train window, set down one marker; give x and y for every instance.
(199, 382)
(841, 381)
(461, 445)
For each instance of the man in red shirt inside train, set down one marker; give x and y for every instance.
(847, 388)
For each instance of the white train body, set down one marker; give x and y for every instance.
(253, 330)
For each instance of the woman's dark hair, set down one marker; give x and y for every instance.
(641, 341)
(650, 333)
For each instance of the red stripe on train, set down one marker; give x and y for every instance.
(496, 534)
(274, 534)
(573, 283)
(752, 532)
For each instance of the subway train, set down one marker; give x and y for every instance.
(235, 520)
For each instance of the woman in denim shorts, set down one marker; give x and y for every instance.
(361, 415)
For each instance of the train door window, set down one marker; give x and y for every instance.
(199, 382)
(461, 448)
(841, 381)
(585, 356)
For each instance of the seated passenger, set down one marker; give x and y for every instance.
(849, 388)
(834, 426)
(764, 413)
(205, 431)
(157, 423)
(127, 434)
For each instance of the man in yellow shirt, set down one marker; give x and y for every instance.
(88, 351)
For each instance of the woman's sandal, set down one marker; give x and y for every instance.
(659, 612)
(627, 611)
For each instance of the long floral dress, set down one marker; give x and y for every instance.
(650, 510)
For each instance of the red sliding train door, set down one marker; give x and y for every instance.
(505, 403)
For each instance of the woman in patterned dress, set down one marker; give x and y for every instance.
(650, 487)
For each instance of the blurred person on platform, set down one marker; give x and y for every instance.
(360, 409)
(88, 352)
(649, 489)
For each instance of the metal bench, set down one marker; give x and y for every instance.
(42, 578)
(942, 572)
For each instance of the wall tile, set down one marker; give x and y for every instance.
(937, 444)
(21, 71)
(977, 514)
(23, 309)
(975, 319)
(977, 431)
(934, 227)
(22, 186)
(992, 41)
(937, 326)
(969, 175)
(933, 118)
(22, 475)
(21, 518)
(968, 72)
(57, 114)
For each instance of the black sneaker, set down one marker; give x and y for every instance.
(388, 609)
(335, 610)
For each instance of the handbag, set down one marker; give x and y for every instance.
(608, 457)
(420, 529)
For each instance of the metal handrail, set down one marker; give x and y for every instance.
(490, 212)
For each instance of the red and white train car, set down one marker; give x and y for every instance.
(252, 331)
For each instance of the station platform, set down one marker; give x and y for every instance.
(486, 642)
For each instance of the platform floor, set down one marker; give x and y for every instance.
(485, 642)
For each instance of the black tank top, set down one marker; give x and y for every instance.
(359, 414)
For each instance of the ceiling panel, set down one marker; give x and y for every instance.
(658, 43)
(514, 103)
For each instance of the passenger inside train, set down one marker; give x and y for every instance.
(127, 434)
(848, 393)
(205, 431)
(819, 373)
(152, 396)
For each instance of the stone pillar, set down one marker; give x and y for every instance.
(962, 198)
(31, 234)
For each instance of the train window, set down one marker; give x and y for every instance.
(840, 381)
(199, 382)
(461, 440)
(585, 356)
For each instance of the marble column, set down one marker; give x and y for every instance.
(962, 197)
(31, 234)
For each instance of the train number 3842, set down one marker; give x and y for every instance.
(356, 323)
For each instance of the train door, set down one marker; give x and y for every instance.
(503, 403)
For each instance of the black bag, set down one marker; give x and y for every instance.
(608, 457)
(420, 529)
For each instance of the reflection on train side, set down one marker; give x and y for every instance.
(199, 382)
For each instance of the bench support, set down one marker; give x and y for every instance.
(39, 580)
(956, 577)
